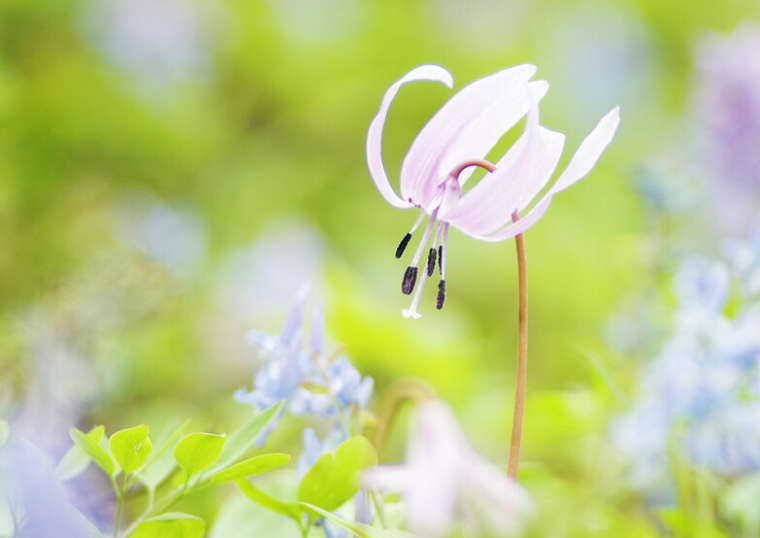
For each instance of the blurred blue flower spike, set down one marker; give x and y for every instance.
(347, 385)
(291, 367)
(701, 283)
(705, 377)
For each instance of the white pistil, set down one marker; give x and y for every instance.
(411, 312)
(424, 240)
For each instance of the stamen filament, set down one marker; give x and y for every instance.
(405, 240)
(425, 237)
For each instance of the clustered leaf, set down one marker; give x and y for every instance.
(131, 448)
(251, 466)
(198, 451)
(213, 458)
(334, 479)
(91, 444)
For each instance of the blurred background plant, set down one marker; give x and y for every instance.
(172, 172)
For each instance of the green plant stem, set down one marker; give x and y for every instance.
(522, 355)
(378, 508)
(399, 392)
(119, 506)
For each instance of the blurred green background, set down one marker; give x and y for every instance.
(172, 171)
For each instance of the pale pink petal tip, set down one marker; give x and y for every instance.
(590, 150)
(433, 73)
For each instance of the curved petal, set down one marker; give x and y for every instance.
(434, 73)
(519, 176)
(466, 127)
(589, 151)
(532, 217)
(489, 205)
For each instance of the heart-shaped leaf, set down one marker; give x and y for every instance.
(131, 448)
(197, 451)
(335, 479)
(76, 459)
(90, 443)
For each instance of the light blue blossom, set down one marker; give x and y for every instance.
(291, 367)
(702, 389)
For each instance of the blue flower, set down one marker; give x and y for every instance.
(290, 365)
(704, 383)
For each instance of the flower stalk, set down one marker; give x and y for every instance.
(522, 355)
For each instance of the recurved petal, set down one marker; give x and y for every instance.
(432, 73)
(466, 127)
(519, 175)
(590, 150)
(532, 217)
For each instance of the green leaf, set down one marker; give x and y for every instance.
(243, 438)
(359, 529)
(90, 444)
(291, 510)
(170, 525)
(3, 431)
(131, 447)
(335, 479)
(197, 451)
(250, 467)
(161, 461)
(740, 503)
(72, 464)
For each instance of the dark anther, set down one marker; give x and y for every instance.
(440, 259)
(402, 245)
(441, 294)
(410, 277)
(431, 262)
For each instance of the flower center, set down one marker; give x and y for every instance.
(451, 192)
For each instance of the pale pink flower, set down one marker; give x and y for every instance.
(461, 133)
(446, 484)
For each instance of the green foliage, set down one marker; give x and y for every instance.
(91, 444)
(131, 448)
(162, 461)
(170, 525)
(244, 438)
(291, 510)
(73, 463)
(741, 503)
(359, 529)
(251, 466)
(198, 451)
(334, 479)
